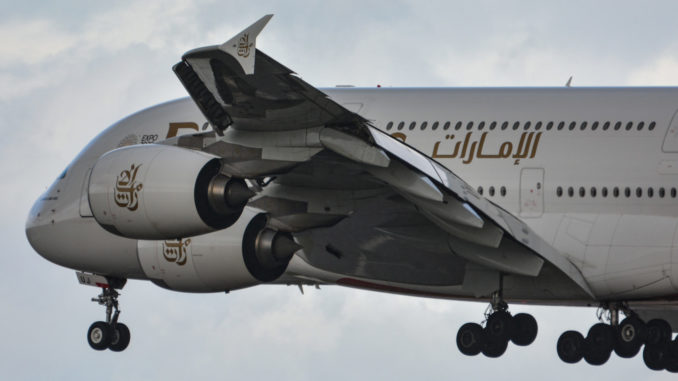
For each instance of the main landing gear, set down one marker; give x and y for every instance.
(625, 339)
(108, 334)
(500, 328)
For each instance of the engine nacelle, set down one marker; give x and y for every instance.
(163, 192)
(244, 255)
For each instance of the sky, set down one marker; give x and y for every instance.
(68, 69)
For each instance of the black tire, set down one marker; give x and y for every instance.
(120, 337)
(524, 329)
(630, 336)
(470, 339)
(499, 326)
(654, 357)
(599, 344)
(99, 335)
(658, 333)
(494, 346)
(570, 347)
(672, 358)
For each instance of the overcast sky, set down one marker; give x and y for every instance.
(68, 69)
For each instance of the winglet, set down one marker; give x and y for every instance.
(243, 46)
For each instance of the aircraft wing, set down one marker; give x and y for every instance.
(361, 202)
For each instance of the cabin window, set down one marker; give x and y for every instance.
(593, 192)
(504, 125)
(606, 126)
(537, 126)
(491, 191)
(662, 192)
(412, 125)
(446, 126)
(650, 192)
(527, 126)
(651, 126)
(639, 192)
(435, 126)
(401, 125)
(502, 191)
(594, 126)
(617, 126)
(469, 125)
(389, 125)
(627, 192)
(570, 191)
(481, 125)
(516, 125)
(549, 126)
(604, 191)
(615, 192)
(641, 125)
(572, 126)
(423, 126)
(457, 126)
(493, 125)
(583, 126)
(480, 191)
(559, 191)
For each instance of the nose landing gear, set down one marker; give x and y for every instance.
(108, 334)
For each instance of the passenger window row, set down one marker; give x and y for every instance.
(548, 126)
(616, 192)
(491, 191)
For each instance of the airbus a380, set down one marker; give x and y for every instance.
(552, 196)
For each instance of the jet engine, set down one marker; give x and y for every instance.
(164, 192)
(246, 254)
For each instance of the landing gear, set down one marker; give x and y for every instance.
(625, 339)
(108, 334)
(500, 328)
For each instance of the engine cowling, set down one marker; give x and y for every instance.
(244, 255)
(163, 192)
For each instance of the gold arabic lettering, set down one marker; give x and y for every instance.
(526, 148)
(176, 251)
(244, 46)
(126, 192)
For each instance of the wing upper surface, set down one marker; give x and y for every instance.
(328, 165)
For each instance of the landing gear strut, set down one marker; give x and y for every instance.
(625, 338)
(108, 334)
(500, 328)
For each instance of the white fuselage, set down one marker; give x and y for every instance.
(603, 195)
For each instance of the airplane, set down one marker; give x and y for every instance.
(545, 196)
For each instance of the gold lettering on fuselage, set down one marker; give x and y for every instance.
(244, 46)
(176, 126)
(126, 192)
(176, 251)
(474, 149)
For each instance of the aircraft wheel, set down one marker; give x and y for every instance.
(630, 337)
(655, 357)
(494, 346)
(658, 333)
(99, 335)
(672, 358)
(470, 339)
(120, 337)
(499, 326)
(524, 329)
(598, 344)
(570, 347)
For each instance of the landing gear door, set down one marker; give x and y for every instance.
(531, 192)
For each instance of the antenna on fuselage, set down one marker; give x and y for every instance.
(569, 82)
